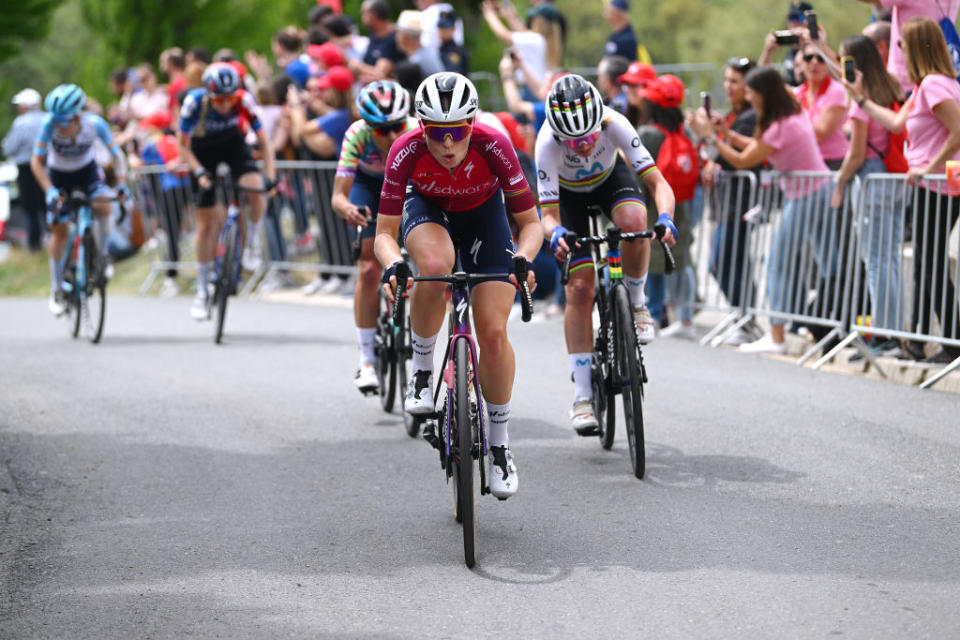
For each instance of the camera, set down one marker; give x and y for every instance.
(705, 102)
(786, 36)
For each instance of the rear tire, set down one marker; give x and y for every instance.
(93, 302)
(226, 278)
(468, 507)
(627, 365)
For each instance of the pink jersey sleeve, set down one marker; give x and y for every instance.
(503, 162)
(401, 160)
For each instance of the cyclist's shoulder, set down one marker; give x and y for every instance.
(357, 131)
(406, 151)
(614, 121)
(193, 98)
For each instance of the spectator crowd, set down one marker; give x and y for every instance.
(790, 110)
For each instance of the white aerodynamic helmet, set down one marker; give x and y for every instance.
(574, 107)
(446, 97)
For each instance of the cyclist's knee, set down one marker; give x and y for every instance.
(434, 265)
(580, 291)
(631, 218)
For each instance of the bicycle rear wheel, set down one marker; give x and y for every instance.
(464, 429)
(385, 349)
(602, 405)
(627, 372)
(225, 280)
(93, 302)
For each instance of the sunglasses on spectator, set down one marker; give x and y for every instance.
(387, 129)
(585, 141)
(443, 132)
(809, 57)
(740, 65)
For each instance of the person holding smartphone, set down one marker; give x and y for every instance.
(882, 223)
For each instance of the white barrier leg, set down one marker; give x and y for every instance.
(932, 381)
(719, 328)
(835, 333)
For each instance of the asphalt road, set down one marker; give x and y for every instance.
(158, 486)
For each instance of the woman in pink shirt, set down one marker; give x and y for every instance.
(785, 138)
(825, 103)
(881, 223)
(931, 118)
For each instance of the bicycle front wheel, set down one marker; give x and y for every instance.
(627, 373)
(464, 429)
(72, 297)
(404, 354)
(93, 302)
(226, 278)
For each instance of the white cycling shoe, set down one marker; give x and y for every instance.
(582, 418)
(419, 399)
(502, 477)
(198, 309)
(646, 331)
(366, 378)
(56, 305)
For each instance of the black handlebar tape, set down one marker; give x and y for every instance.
(671, 264)
(526, 302)
(571, 239)
(402, 273)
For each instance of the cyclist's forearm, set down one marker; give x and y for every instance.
(40, 172)
(385, 246)
(186, 154)
(551, 218)
(341, 195)
(530, 238)
(119, 164)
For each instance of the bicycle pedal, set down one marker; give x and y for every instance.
(586, 432)
(501, 499)
(430, 435)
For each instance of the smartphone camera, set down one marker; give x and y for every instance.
(785, 37)
(849, 69)
(705, 102)
(811, 17)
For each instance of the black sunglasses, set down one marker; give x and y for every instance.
(740, 65)
(396, 127)
(810, 56)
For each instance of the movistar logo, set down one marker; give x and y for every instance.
(583, 363)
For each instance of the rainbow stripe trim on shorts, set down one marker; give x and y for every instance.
(628, 201)
(581, 263)
(587, 182)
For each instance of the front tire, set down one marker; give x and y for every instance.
(464, 427)
(627, 371)
(386, 353)
(226, 278)
(93, 302)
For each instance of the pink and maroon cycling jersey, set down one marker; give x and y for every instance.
(491, 164)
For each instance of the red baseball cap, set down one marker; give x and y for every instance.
(638, 73)
(327, 53)
(156, 120)
(240, 68)
(513, 128)
(339, 78)
(666, 91)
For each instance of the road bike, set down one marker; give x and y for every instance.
(616, 366)
(228, 266)
(84, 288)
(457, 428)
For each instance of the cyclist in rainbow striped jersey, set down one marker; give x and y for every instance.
(62, 161)
(580, 165)
(384, 108)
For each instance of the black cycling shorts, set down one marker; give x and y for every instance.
(619, 189)
(228, 148)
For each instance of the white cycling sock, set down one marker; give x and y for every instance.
(422, 351)
(580, 365)
(203, 276)
(253, 240)
(365, 338)
(636, 288)
(499, 418)
(103, 233)
(56, 273)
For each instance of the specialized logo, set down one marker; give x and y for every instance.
(461, 309)
(468, 169)
(494, 148)
(475, 249)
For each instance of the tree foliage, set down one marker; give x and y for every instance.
(23, 20)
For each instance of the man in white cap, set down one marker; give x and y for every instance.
(18, 147)
(409, 30)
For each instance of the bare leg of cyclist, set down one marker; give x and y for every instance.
(58, 243)
(636, 260)
(365, 307)
(208, 226)
(491, 307)
(256, 205)
(430, 247)
(578, 329)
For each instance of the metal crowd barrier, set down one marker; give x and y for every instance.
(908, 243)
(304, 190)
